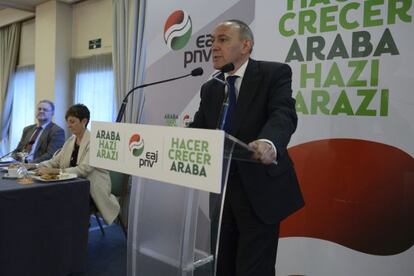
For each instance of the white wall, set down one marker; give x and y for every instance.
(62, 59)
(56, 42)
(52, 55)
(9, 16)
(45, 49)
(91, 20)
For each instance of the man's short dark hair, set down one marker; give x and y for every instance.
(79, 111)
(52, 106)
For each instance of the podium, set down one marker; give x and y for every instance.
(173, 229)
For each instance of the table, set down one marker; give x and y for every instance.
(43, 227)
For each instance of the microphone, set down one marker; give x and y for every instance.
(223, 112)
(30, 143)
(225, 69)
(7, 154)
(195, 72)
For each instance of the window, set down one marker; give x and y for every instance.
(23, 113)
(94, 86)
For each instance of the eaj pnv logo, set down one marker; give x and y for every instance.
(177, 30)
(136, 145)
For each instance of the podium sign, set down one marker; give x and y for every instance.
(182, 156)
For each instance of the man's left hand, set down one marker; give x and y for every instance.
(263, 152)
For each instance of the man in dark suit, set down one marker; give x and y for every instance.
(40, 141)
(259, 195)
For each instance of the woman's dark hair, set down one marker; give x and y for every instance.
(79, 111)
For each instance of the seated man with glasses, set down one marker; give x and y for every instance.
(41, 140)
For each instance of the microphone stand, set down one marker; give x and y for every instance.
(196, 72)
(15, 150)
(7, 154)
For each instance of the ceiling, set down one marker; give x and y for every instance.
(27, 5)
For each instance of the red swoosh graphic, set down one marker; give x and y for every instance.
(359, 194)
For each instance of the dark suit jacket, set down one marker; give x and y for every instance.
(51, 139)
(265, 110)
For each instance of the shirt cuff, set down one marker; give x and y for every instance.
(271, 143)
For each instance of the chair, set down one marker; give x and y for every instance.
(119, 188)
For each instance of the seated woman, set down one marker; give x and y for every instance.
(74, 158)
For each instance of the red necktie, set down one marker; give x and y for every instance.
(28, 147)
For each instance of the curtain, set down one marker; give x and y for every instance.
(129, 54)
(23, 112)
(93, 85)
(129, 68)
(9, 49)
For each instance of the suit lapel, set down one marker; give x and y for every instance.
(30, 133)
(67, 151)
(83, 147)
(249, 87)
(217, 97)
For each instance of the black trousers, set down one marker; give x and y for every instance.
(247, 246)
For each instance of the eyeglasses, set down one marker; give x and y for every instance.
(43, 109)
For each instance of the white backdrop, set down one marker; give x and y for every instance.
(353, 148)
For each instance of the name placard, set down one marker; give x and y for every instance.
(182, 156)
